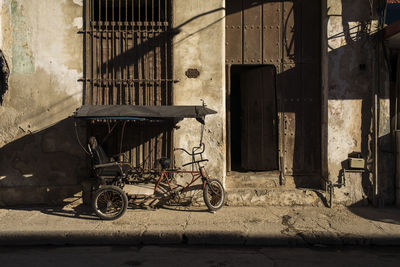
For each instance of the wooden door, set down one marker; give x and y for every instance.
(258, 131)
(286, 34)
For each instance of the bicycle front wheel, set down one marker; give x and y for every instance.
(214, 194)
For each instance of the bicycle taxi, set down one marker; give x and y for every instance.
(113, 174)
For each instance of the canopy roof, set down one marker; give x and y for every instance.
(131, 112)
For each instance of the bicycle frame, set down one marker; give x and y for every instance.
(164, 175)
(200, 173)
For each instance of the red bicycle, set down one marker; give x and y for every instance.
(110, 201)
(213, 190)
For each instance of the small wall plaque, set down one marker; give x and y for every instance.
(192, 73)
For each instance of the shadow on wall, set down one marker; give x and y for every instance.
(351, 67)
(4, 74)
(353, 81)
(43, 167)
(146, 57)
(47, 166)
(132, 56)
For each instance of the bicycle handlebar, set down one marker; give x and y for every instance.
(194, 149)
(194, 162)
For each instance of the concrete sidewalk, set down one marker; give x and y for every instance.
(275, 226)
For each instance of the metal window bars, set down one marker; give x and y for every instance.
(128, 61)
(128, 57)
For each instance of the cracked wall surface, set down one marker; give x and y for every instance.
(353, 71)
(200, 45)
(40, 43)
(44, 53)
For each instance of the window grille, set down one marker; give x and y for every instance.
(127, 52)
(128, 61)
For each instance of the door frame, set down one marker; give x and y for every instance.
(279, 129)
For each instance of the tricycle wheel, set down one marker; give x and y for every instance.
(214, 194)
(109, 202)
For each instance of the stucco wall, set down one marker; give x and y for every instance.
(352, 80)
(44, 52)
(43, 49)
(200, 45)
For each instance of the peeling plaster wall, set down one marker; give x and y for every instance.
(44, 54)
(200, 45)
(352, 75)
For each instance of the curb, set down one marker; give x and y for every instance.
(135, 238)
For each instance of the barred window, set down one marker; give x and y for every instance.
(128, 61)
(128, 52)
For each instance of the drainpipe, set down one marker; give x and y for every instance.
(376, 84)
(376, 180)
(377, 198)
(397, 182)
(397, 134)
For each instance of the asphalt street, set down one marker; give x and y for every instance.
(192, 256)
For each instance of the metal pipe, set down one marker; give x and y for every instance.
(397, 88)
(397, 179)
(376, 187)
(397, 134)
(331, 187)
(376, 84)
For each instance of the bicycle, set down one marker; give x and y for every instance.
(213, 190)
(110, 201)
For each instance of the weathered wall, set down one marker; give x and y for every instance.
(44, 54)
(352, 81)
(200, 45)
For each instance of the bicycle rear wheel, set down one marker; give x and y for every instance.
(214, 194)
(110, 202)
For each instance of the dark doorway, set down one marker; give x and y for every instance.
(254, 141)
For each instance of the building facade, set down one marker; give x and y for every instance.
(298, 86)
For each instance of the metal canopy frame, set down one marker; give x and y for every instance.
(141, 113)
(126, 113)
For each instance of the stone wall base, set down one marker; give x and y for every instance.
(37, 195)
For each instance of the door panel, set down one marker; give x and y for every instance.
(234, 22)
(252, 32)
(258, 131)
(286, 34)
(271, 43)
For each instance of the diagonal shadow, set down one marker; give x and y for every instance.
(133, 55)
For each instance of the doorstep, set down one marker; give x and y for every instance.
(264, 189)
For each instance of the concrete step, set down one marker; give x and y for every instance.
(139, 189)
(252, 180)
(275, 197)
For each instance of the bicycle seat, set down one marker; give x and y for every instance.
(99, 156)
(165, 162)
